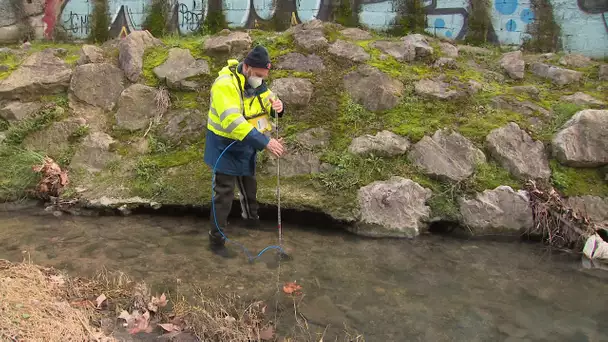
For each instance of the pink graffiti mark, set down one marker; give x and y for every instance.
(52, 9)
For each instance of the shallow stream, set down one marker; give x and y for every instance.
(432, 288)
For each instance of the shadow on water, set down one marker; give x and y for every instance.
(432, 288)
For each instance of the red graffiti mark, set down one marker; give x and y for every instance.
(52, 9)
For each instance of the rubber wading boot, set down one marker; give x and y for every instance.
(218, 247)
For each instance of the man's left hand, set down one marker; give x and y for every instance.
(277, 105)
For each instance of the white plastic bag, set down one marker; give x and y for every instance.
(596, 248)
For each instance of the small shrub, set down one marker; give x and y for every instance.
(100, 21)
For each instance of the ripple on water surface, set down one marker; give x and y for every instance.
(428, 289)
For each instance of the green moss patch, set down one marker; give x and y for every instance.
(153, 57)
(11, 61)
(578, 181)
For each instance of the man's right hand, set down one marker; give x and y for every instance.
(276, 147)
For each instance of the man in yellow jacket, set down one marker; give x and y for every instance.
(239, 118)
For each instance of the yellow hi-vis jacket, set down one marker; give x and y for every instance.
(231, 114)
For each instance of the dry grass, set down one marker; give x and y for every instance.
(34, 306)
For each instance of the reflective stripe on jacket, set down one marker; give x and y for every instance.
(231, 117)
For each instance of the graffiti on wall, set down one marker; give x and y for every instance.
(583, 23)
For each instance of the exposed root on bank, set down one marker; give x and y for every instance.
(555, 222)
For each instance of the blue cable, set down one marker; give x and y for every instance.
(251, 259)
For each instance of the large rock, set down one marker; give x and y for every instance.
(136, 107)
(603, 72)
(98, 84)
(299, 62)
(532, 91)
(557, 75)
(583, 140)
(294, 163)
(594, 207)
(517, 152)
(94, 154)
(398, 50)
(419, 43)
(54, 140)
(310, 36)
(348, 50)
(231, 44)
(393, 208)
(366, 80)
(513, 63)
(445, 63)
(90, 54)
(448, 50)
(583, 99)
(183, 125)
(179, 66)
(446, 156)
(292, 90)
(314, 137)
(42, 73)
(131, 52)
(354, 33)
(474, 50)
(17, 111)
(437, 89)
(523, 107)
(498, 210)
(576, 61)
(96, 117)
(383, 144)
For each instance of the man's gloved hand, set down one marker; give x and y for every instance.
(276, 147)
(277, 105)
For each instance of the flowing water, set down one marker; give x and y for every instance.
(432, 288)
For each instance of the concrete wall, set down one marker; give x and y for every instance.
(584, 23)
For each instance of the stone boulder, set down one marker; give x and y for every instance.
(603, 72)
(131, 52)
(445, 63)
(313, 138)
(17, 111)
(448, 50)
(576, 60)
(420, 45)
(366, 80)
(179, 66)
(446, 156)
(94, 154)
(499, 210)
(517, 152)
(583, 140)
(532, 91)
(298, 62)
(136, 107)
(230, 44)
(293, 90)
(90, 54)
(398, 50)
(557, 75)
(474, 50)
(95, 117)
(310, 35)
(183, 125)
(582, 99)
(437, 89)
(54, 139)
(295, 162)
(383, 144)
(594, 207)
(393, 208)
(348, 50)
(98, 84)
(42, 73)
(514, 65)
(354, 33)
(523, 107)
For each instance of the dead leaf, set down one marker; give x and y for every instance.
(267, 334)
(291, 288)
(100, 300)
(141, 324)
(155, 303)
(169, 327)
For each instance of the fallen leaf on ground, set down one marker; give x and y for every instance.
(155, 303)
(82, 303)
(100, 300)
(169, 327)
(267, 334)
(292, 287)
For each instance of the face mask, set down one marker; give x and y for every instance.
(254, 81)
